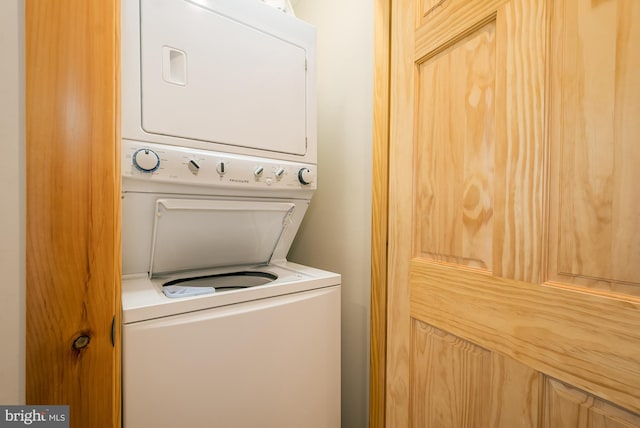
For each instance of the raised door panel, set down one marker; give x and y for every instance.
(568, 407)
(594, 132)
(478, 157)
(451, 379)
(458, 384)
(454, 153)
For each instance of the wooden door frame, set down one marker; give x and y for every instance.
(379, 213)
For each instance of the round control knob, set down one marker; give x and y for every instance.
(306, 176)
(258, 172)
(146, 160)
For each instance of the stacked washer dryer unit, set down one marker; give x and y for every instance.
(218, 168)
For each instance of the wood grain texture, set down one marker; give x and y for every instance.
(585, 337)
(401, 125)
(431, 7)
(519, 179)
(592, 342)
(410, 50)
(73, 211)
(521, 153)
(450, 380)
(571, 408)
(595, 103)
(454, 154)
(458, 384)
(379, 233)
(449, 22)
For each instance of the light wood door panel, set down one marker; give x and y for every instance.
(587, 340)
(513, 225)
(594, 131)
(570, 407)
(446, 367)
(454, 154)
(459, 384)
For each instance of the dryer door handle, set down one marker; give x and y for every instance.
(174, 66)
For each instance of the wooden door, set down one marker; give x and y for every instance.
(73, 209)
(514, 218)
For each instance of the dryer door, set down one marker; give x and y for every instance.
(232, 73)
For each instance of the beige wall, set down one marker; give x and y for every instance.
(336, 232)
(12, 195)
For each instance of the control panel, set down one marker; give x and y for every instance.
(180, 165)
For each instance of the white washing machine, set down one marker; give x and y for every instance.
(219, 329)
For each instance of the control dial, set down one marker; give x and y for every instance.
(221, 167)
(194, 166)
(279, 173)
(146, 160)
(306, 176)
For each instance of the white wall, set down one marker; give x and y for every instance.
(335, 235)
(12, 195)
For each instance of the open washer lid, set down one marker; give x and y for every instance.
(191, 234)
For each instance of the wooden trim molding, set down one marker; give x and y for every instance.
(382, 27)
(73, 208)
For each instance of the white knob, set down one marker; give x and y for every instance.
(306, 176)
(258, 171)
(194, 166)
(146, 160)
(279, 173)
(221, 168)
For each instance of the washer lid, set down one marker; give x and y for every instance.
(191, 234)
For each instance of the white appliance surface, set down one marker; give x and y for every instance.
(143, 299)
(208, 235)
(233, 76)
(264, 363)
(218, 169)
(205, 359)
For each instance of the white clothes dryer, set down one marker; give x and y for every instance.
(236, 76)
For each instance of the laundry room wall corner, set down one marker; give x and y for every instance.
(335, 234)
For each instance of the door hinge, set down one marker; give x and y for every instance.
(113, 331)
